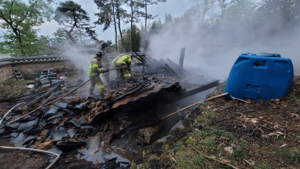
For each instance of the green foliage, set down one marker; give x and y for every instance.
(243, 143)
(106, 9)
(293, 98)
(262, 166)
(155, 27)
(20, 18)
(70, 12)
(211, 146)
(136, 38)
(238, 154)
(292, 155)
(74, 18)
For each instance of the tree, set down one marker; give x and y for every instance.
(147, 16)
(120, 14)
(133, 16)
(168, 18)
(60, 37)
(19, 19)
(132, 37)
(284, 13)
(107, 14)
(71, 15)
(155, 27)
(200, 8)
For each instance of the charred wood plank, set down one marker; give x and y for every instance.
(172, 71)
(172, 64)
(178, 96)
(40, 98)
(181, 60)
(126, 94)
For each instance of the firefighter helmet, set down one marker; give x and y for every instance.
(99, 54)
(104, 45)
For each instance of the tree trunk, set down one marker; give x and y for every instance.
(146, 32)
(71, 37)
(119, 26)
(18, 37)
(19, 40)
(131, 21)
(115, 25)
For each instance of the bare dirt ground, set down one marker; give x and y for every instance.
(17, 159)
(260, 135)
(12, 87)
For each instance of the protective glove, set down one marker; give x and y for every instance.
(104, 71)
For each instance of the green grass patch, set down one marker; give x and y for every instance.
(238, 154)
(220, 102)
(243, 143)
(291, 156)
(262, 166)
(293, 98)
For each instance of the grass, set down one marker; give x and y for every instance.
(293, 98)
(238, 154)
(211, 140)
(291, 155)
(219, 101)
(262, 166)
(243, 143)
(205, 141)
(12, 87)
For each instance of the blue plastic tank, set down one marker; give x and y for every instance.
(260, 76)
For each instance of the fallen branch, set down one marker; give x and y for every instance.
(37, 150)
(214, 159)
(249, 164)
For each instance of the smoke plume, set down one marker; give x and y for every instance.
(214, 51)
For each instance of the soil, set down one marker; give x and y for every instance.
(12, 87)
(265, 132)
(17, 159)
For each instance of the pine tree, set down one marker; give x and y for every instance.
(71, 15)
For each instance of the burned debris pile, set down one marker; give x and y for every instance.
(64, 118)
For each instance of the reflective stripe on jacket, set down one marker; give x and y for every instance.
(125, 59)
(95, 67)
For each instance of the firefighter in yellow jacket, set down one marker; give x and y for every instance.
(124, 62)
(95, 69)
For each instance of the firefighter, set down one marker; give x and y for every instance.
(105, 62)
(95, 69)
(123, 62)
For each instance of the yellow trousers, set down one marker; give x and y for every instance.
(99, 83)
(123, 72)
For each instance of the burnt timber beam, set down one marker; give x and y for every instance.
(172, 64)
(181, 60)
(172, 71)
(173, 97)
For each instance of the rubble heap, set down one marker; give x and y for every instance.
(59, 119)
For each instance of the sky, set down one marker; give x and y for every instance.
(174, 7)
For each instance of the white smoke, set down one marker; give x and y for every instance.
(215, 61)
